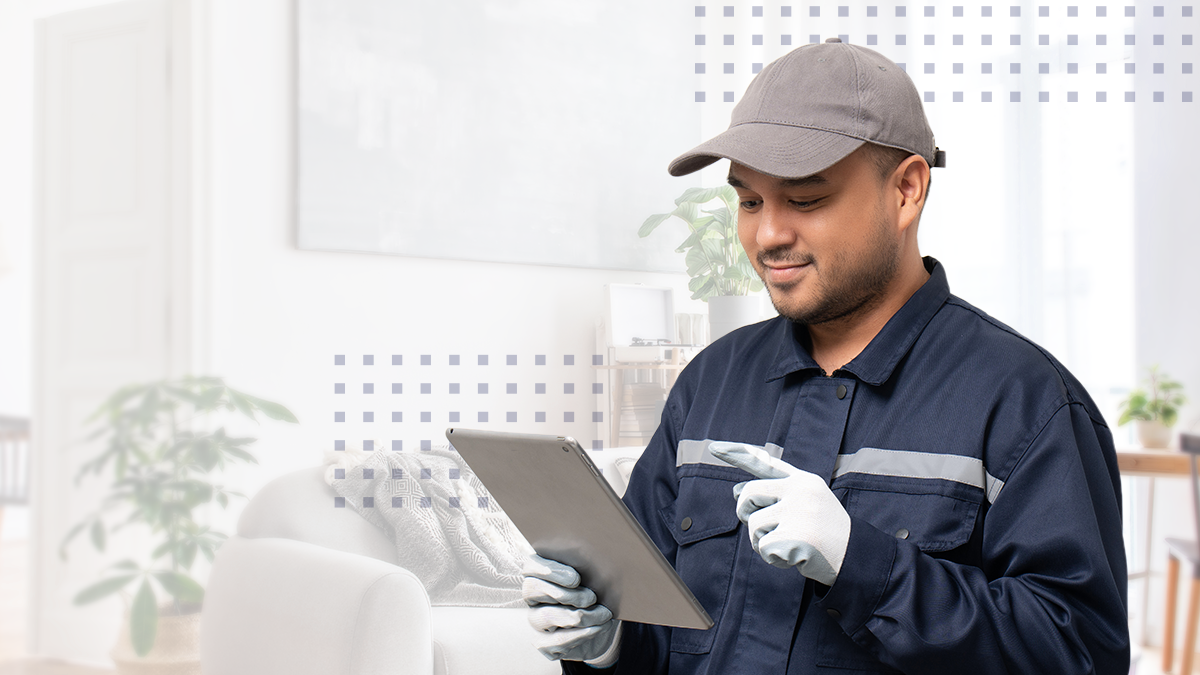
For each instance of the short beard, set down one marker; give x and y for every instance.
(851, 288)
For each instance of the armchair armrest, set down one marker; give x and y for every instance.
(278, 606)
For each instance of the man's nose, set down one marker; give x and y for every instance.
(774, 228)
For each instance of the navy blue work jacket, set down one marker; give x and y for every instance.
(981, 483)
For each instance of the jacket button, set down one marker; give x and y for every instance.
(686, 524)
(902, 533)
(841, 391)
(833, 614)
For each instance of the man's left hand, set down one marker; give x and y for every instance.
(793, 516)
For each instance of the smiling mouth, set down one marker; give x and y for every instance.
(782, 267)
(777, 274)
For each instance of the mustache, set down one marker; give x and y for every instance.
(781, 257)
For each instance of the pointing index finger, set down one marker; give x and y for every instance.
(754, 461)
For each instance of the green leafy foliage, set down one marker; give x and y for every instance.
(143, 619)
(1159, 400)
(712, 252)
(163, 459)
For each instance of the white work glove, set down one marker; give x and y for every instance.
(793, 516)
(570, 623)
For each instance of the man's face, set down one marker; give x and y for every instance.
(825, 245)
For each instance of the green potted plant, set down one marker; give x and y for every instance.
(721, 274)
(1154, 408)
(165, 462)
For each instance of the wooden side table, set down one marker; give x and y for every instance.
(1152, 463)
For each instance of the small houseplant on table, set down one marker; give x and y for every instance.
(164, 467)
(721, 274)
(1154, 408)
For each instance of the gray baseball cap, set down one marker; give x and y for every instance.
(810, 108)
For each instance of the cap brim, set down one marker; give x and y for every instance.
(777, 150)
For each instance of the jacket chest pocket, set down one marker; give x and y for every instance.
(937, 516)
(703, 520)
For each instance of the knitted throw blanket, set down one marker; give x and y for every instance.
(446, 527)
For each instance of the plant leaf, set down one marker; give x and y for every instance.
(686, 212)
(273, 410)
(149, 409)
(705, 290)
(143, 619)
(118, 399)
(692, 240)
(699, 195)
(102, 589)
(1169, 417)
(162, 549)
(181, 586)
(187, 556)
(651, 223)
(721, 218)
(98, 535)
(242, 404)
(209, 397)
(696, 262)
(240, 454)
(712, 250)
(74, 532)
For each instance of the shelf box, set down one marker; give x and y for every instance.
(645, 312)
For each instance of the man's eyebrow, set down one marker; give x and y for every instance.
(806, 181)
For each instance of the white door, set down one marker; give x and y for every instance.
(111, 296)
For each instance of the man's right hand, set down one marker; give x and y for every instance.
(571, 625)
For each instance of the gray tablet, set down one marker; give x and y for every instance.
(568, 512)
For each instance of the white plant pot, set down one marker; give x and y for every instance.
(1153, 434)
(176, 649)
(727, 313)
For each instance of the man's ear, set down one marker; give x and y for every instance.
(910, 181)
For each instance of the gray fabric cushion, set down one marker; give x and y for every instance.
(300, 506)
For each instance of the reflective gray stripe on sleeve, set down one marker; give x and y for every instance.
(697, 452)
(994, 486)
(880, 462)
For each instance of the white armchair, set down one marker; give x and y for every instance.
(305, 588)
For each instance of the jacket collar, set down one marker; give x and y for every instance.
(874, 365)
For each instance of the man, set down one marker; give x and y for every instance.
(934, 493)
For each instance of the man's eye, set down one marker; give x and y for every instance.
(749, 204)
(804, 205)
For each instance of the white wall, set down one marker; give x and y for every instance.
(280, 314)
